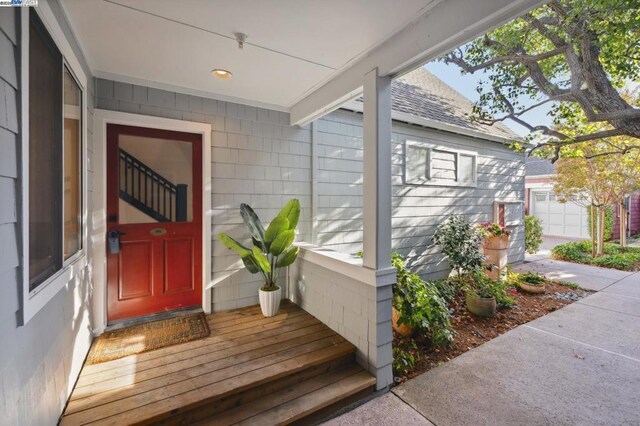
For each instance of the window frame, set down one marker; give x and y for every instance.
(69, 274)
(428, 180)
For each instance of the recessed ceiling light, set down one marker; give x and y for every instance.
(220, 73)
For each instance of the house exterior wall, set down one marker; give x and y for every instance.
(39, 361)
(634, 216)
(257, 158)
(417, 209)
(358, 311)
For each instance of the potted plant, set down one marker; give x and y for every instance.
(271, 250)
(531, 282)
(496, 236)
(479, 294)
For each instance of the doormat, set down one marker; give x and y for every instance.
(148, 337)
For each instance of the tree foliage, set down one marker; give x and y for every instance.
(597, 181)
(575, 55)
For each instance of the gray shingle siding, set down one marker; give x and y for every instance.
(257, 158)
(40, 360)
(417, 210)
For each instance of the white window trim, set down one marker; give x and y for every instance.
(430, 147)
(496, 212)
(34, 301)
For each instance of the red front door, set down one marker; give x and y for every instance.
(154, 205)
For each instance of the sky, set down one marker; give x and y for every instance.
(466, 84)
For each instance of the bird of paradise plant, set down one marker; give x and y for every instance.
(271, 247)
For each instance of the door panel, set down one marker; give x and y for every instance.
(561, 219)
(159, 266)
(178, 265)
(135, 281)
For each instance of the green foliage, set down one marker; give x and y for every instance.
(609, 222)
(404, 359)
(615, 257)
(532, 234)
(420, 305)
(271, 247)
(480, 284)
(526, 63)
(461, 242)
(492, 229)
(531, 278)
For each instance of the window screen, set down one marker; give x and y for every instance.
(45, 154)
(466, 168)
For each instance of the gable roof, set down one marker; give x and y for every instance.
(422, 95)
(539, 167)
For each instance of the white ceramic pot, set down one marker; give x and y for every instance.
(270, 302)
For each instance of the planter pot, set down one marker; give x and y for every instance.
(532, 288)
(496, 243)
(481, 306)
(270, 302)
(402, 329)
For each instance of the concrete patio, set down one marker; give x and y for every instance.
(579, 365)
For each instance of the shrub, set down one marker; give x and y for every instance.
(481, 285)
(615, 257)
(609, 221)
(461, 242)
(532, 234)
(531, 278)
(420, 305)
(404, 360)
(489, 229)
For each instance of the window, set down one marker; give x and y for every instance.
(55, 146)
(427, 164)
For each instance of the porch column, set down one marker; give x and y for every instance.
(377, 171)
(377, 223)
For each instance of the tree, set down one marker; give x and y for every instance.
(597, 181)
(576, 55)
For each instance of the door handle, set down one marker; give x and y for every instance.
(114, 241)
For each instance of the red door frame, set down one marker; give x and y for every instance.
(159, 296)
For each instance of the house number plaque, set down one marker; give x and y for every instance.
(158, 231)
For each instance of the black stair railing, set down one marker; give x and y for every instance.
(150, 192)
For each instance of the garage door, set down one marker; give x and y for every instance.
(561, 219)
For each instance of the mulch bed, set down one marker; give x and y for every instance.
(471, 330)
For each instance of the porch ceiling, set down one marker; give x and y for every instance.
(293, 46)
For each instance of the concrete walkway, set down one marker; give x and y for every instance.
(579, 365)
(588, 277)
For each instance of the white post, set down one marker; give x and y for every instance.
(377, 171)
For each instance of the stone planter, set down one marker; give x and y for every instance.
(270, 301)
(495, 249)
(481, 306)
(532, 288)
(402, 329)
(496, 243)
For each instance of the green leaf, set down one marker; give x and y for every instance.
(288, 258)
(291, 211)
(277, 225)
(252, 221)
(261, 260)
(232, 244)
(282, 242)
(250, 264)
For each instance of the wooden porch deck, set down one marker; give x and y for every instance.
(251, 369)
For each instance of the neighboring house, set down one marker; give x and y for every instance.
(94, 229)
(565, 219)
(443, 164)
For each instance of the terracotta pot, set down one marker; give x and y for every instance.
(402, 329)
(496, 243)
(481, 306)
(531, 288)
(270, 301)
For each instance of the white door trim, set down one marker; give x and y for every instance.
(99, 219)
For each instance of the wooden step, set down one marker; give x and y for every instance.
(248, 361)
(303, 401)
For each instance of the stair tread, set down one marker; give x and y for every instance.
(197, 391)
(299, 400)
